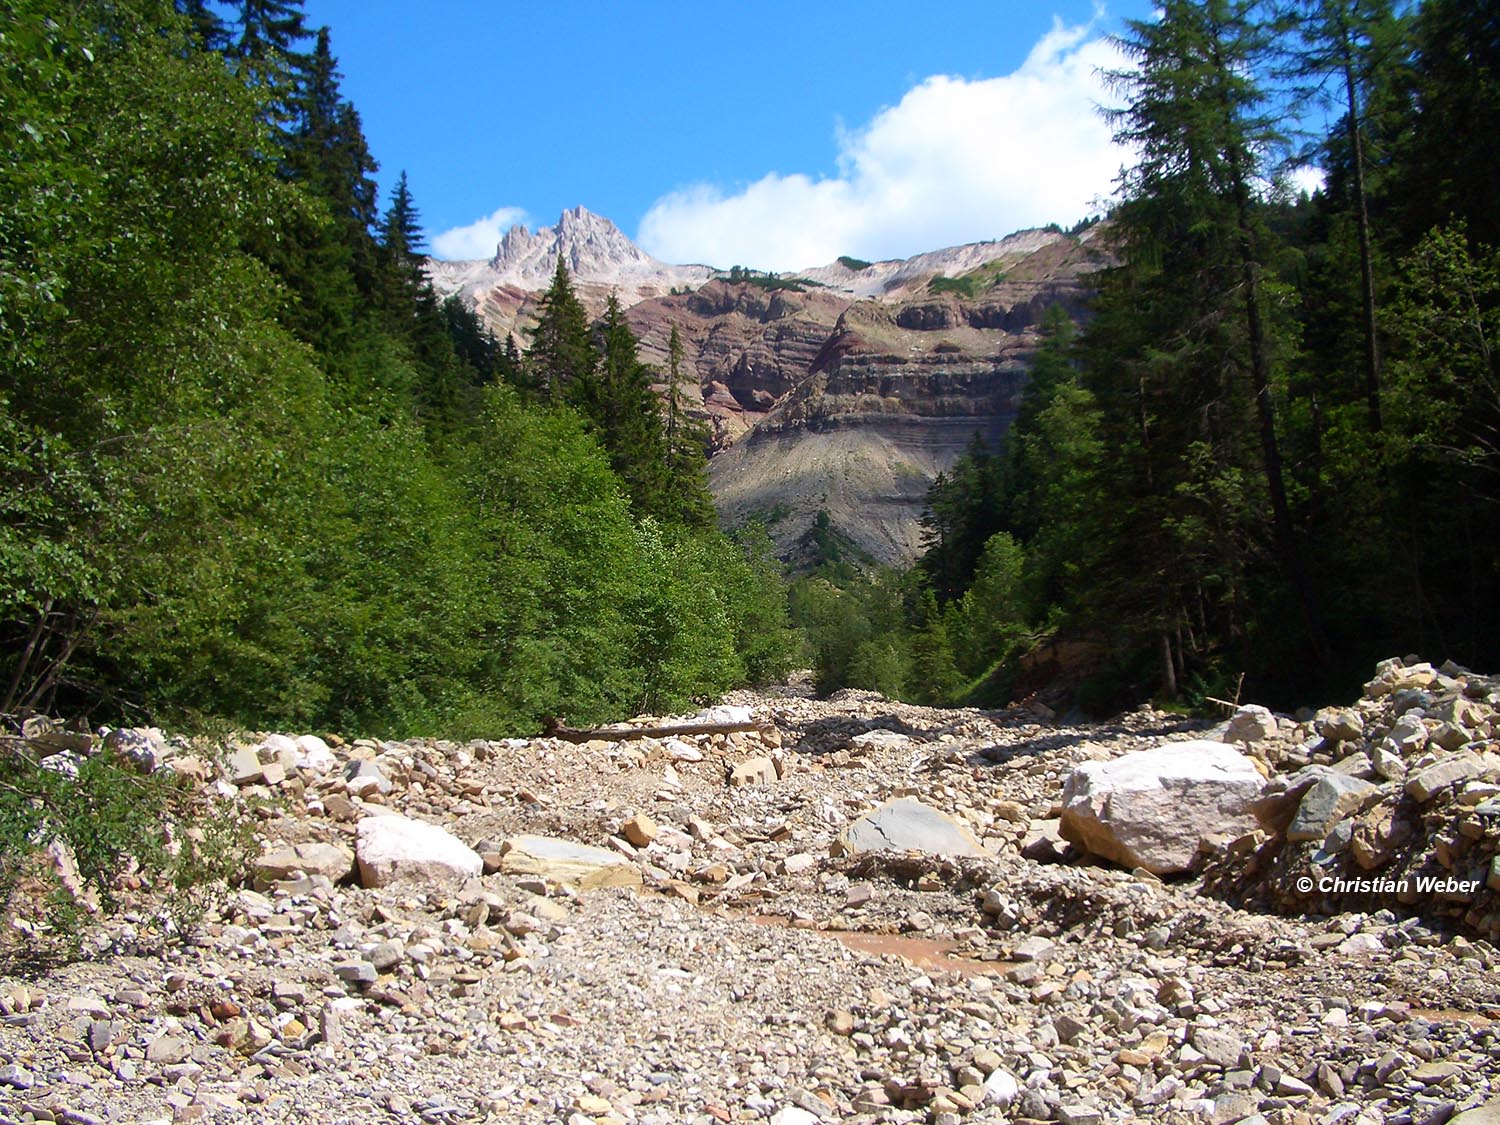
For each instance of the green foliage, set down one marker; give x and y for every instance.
(847, 622)
(963, 511)
(826, 550)
(970, 284)
(935, 677)
(561, 362)
(66, 840)
(771, 282)
(855, 264)
(966, 286)
(248, 470)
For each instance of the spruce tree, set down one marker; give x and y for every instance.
(687, 497)
(627, 413)
(265, 54)
(1348, 43)
(562, 361)
(1201, 123)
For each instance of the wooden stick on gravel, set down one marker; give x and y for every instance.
(557, 728)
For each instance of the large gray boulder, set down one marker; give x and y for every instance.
(1151, 808)
(908, 825)
(396, 849)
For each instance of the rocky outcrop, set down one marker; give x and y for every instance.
(598, 256)
(893, 395)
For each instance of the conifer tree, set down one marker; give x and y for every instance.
(208, 30)
(1196, 328)
(626, 412)
(265, 54)
(1348, 43)
(687, 497)
(562, 360)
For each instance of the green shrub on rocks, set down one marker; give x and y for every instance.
(76, 831)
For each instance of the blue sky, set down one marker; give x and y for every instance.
(775, 135)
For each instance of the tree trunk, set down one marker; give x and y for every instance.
(1366, 255)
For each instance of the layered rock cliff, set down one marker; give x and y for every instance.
(843, 389)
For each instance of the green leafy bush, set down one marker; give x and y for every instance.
(67, 841)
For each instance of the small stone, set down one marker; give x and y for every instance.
(1218, 1047)
(1423, 786)
(564, 861)
(169, 1049)
(1331, 798)
(356, 972)
(1001, 1088)
(640, 830)
(1435, 1073)
(333, 861)
(1235, 1105)
(1339, 724)
(1080, 1113)
(754, 771)
(363, 778)
(907, 824)
(797, 864)
(1251, 725)
(243, 766)
(396, 849)
(386, 956)
(1032, 948)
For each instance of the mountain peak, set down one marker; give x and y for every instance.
(594, 249)
(597, 253)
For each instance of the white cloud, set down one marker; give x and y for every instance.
(954, 161)
(479, 238)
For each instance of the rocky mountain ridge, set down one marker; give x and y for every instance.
(843, 389)
(844, 910)
(599, 257)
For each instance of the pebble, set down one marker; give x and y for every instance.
(803, 986)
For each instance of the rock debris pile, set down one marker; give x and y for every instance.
(864, 912)
(1393, 802)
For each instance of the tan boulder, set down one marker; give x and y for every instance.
(564, 861)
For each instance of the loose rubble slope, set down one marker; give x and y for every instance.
(767, 967)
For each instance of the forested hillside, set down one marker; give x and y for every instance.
(1273, 449)
(251, 468)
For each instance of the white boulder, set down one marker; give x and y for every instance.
(397, 849)
(1151, 808)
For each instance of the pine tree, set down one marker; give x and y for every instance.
(687, 496)
(562, 361)
(1199, 119)
(265, 54)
